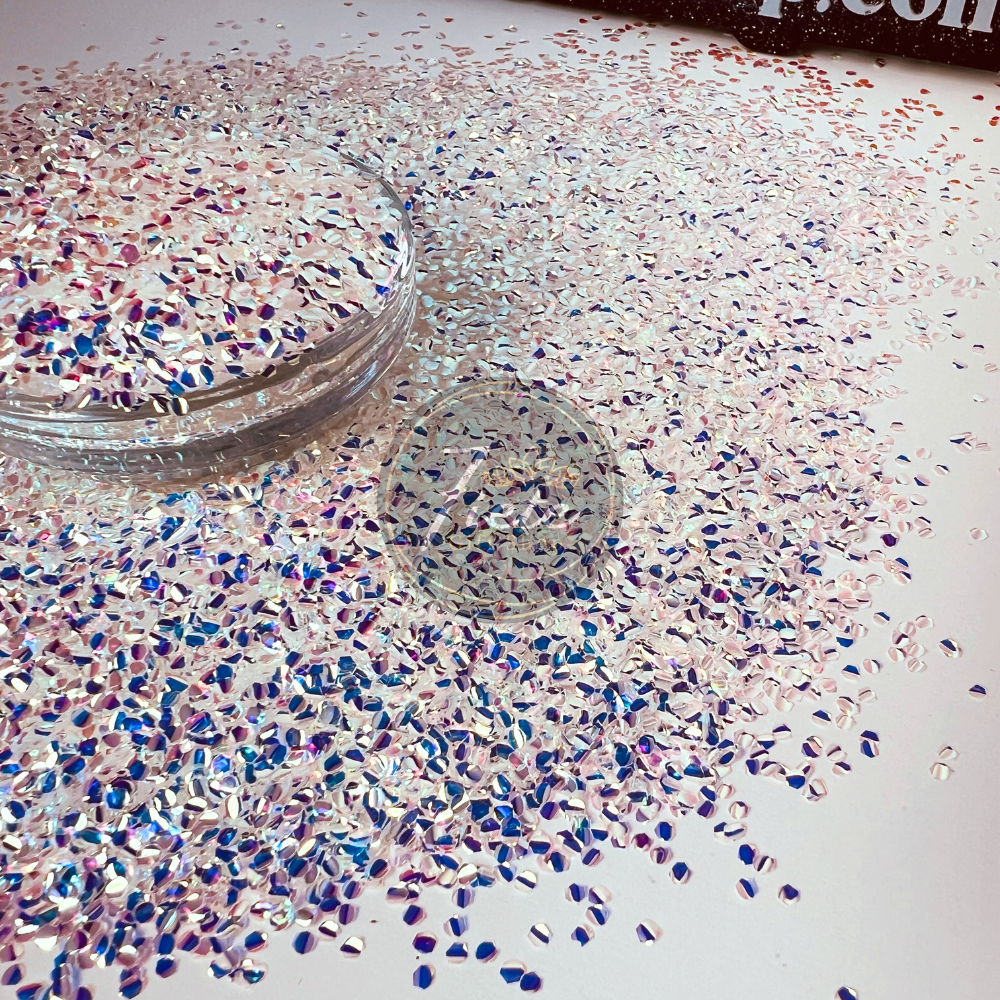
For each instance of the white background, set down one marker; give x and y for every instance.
(899, 874)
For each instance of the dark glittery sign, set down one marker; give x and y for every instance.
(960, 32)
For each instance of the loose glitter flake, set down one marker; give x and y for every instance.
(304, 942)
(156, 239)
(224, 709)
(425, 943)
(457, 953)
(353, 947)
(789, 894)
(648, 932)
(486, 951)
(512, 972)
(531, 982)
(680, 873)
(540, 934)
(423, 976)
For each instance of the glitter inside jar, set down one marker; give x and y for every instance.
(181, 293)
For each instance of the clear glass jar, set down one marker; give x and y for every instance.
(236, 425)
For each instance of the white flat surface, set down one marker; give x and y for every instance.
(899, 875)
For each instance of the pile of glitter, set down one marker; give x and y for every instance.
(223, 705)
(159, 240)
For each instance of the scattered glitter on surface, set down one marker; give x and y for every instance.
(224, 705)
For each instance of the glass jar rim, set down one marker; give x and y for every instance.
(344, 336)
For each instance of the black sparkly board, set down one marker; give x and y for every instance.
(958, 32)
